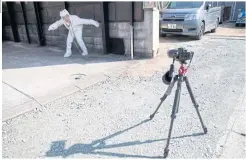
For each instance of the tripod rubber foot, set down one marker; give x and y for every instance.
(166, 150)
(151, 116)
(205, 130)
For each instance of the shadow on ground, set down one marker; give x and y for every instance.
(229, 25)
(172, 39)
(58, 147)
(22, 55)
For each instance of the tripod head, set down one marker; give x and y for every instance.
(181, 55)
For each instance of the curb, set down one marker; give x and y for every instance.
(223, 143)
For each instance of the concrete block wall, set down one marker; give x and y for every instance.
(121, 30)
(146, 42)
(92, 37)
(142, 40)
(155, 31)
(56, 37)
(33, 33)
(20, 22)
(146, 34)
(50, 14)
(31, 23)
(7, 32)
(22, 33)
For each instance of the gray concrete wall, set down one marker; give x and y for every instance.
(92, 36)
(31, 23)
(7, 33)
(121, 30)
(146, 34)
(33, 33)
(22, 33)
(55, 38)
(6, 24)
(50, 14)
(145, 39)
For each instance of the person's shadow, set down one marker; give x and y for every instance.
(58, 147)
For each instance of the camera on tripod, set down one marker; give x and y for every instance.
(181, 55)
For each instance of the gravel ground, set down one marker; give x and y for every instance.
(110, 119)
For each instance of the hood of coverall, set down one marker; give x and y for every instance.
(64, 13)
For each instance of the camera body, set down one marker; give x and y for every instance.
(180, 54)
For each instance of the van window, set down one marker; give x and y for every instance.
(183, 5)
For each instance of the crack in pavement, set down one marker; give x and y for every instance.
(22, 92)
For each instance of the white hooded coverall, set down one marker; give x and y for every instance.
(75, 28)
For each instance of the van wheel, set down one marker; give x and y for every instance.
(201, 32)
(214, 30)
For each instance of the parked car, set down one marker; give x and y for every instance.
(189, 18)
(241, 18)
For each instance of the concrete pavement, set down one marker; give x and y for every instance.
(108, 119)
(233, 143)
(34, 76)
(53, 77)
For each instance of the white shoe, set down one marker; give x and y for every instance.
(67, 54)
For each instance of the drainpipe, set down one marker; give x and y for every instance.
(132, 43)
(132, 30)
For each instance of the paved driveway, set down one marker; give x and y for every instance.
(110, 118)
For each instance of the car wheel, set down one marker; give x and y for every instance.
(201, 32)
(237, 25)
(214, 30)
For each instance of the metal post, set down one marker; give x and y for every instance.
(132, 29)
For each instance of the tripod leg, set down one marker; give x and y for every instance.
(195, 104)
(167, 93)
(173, 116)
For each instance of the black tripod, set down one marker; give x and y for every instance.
(178, 78)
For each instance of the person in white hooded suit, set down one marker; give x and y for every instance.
(75, 26)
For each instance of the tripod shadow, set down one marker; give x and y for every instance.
(58, 147)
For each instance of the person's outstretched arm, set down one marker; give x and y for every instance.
(55, 25)
(82, 21)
